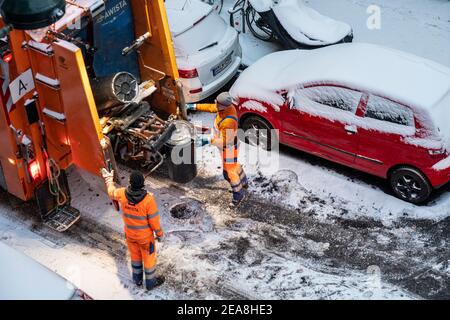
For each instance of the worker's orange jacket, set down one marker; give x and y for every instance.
(225, 125)
(141, 219)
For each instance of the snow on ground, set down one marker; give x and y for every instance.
(83, 266)
(327, 243)
(415, 26)
(301, 177)
(210, 229)
(213, 255)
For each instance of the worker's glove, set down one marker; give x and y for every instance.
(203, 141)
(108, 176)
(160, 238)
(191, 106)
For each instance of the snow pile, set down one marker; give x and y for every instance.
(283, 186)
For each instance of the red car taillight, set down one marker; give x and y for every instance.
(188, 74)
(35, 170)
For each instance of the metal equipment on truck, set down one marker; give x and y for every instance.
(84, 82)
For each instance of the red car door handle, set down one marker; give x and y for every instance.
(351, 129)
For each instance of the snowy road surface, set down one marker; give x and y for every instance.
(309, 229)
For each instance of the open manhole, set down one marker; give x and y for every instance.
(185, 210)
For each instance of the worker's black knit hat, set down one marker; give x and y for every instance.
(137, 180)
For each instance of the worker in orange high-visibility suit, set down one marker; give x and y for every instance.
(225, 138)
(141, 218)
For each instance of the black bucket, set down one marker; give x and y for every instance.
(181, 153)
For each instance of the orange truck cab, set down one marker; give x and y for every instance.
(49, 115)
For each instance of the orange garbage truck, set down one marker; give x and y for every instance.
(83, 82)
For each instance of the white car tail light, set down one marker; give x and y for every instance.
(196, 90)
(188, 74)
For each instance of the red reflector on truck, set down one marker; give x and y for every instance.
(34, 170)
(7, 57)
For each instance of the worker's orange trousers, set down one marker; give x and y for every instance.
(232, 170)
(143, 259)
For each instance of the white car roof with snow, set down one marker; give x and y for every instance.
(183, 14)
(22, 278)
(400, 76)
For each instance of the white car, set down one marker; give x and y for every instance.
(22, 278)
(207, 49)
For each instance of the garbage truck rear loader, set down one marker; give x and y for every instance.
(51, 116)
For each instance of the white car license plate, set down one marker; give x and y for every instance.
(223, 65)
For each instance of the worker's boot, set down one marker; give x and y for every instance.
(244, 180)
(138, 278)
(238, 197)
(154, 282)
(138, 274)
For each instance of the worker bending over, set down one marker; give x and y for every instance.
(141, 218)
(226, 139)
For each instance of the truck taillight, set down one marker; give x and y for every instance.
(7, 56)
(188, 74)
(34, 170)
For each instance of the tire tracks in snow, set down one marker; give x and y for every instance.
(276, 236)
(405, 254)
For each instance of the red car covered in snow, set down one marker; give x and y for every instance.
(372, 108)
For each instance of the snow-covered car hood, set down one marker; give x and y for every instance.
(22, 278)
(303, 23)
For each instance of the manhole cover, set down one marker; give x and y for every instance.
(184, 211)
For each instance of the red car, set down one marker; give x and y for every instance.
(371, 108)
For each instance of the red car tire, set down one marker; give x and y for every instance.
(258, 123)
(410, 184)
